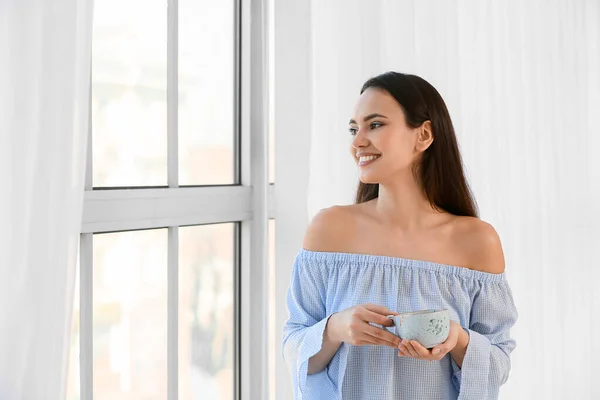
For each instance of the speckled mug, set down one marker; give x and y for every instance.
(428, 327)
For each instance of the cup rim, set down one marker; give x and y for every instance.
(419, 312)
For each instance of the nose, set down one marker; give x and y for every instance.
(360, 140)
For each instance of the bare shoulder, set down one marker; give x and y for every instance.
(331, 229)
(481, 244)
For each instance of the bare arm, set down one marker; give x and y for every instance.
(319, 361)
(459, 351)
(353, 326)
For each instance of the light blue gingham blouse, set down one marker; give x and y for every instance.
(325, 282)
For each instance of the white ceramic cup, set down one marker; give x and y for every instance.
(428, 327)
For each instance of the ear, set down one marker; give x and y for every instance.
(425, 137)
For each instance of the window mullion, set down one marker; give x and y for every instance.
(123, 209)
(86, 327)
(173, 314)
(89, 177)
(86, 283)
(173, 181)
(258, 376)
(172, 94)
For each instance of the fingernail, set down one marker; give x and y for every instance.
(436, 351)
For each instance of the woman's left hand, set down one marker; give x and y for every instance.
(414, 349)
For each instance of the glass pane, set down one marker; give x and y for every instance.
(129, 93)
(206, 312)
(206, 92)
(73, 392)
(130, 315)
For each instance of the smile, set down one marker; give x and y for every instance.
(366, 160)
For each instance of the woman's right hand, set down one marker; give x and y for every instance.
(352, 326)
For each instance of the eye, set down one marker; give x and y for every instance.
(353, 131)
(375, 125)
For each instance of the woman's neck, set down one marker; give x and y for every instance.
(404, 205)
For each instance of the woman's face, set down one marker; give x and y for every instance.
(383, 145)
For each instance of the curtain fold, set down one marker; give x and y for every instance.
(45, 50)
(521, 81)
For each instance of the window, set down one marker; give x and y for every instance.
(177, 195)
(130, 314)
(129, 93)
(207, 324)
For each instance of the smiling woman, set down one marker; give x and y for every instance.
(404, 117)
(411, 242)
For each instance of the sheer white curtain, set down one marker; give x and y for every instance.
(45, 50)
(522, 82)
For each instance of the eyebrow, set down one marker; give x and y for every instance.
(368, 117)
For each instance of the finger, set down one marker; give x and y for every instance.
(373, 340)
(382, 336)
(402, 352)
(421, 351)
(371, 316)
(439, 351)
(381, 310)
(410, 349)
(444, 348)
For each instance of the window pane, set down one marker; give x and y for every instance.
(130, 315)
(129, 93)
(206, 312)
(206, 92)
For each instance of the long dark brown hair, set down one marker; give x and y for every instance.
(439, 171)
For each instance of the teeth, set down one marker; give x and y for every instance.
(367, 158)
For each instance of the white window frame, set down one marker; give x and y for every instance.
(251, 204)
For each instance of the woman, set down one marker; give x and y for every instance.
(411, 241)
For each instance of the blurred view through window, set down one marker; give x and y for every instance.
(129, 149)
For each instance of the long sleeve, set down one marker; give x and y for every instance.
(303, 331)
(486, 365)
